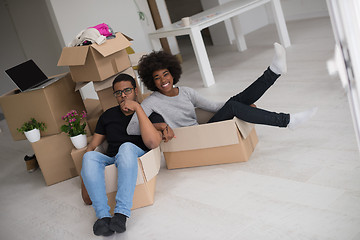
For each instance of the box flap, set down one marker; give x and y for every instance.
(80, 85)
(244, 127)
(151, 163)
(127, 37)
(202, 136)
(113, 45)
(73, 56)
(107, 83)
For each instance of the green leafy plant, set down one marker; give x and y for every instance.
(74, 125)
(141, 14)
(30, 125)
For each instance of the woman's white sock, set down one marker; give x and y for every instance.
(278, 64)
(297, 119)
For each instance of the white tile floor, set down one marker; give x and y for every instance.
(302, 184)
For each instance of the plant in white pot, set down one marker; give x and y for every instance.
(75, 128)
(32, 129)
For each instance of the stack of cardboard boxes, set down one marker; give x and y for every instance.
(46, 105)
(57, 157)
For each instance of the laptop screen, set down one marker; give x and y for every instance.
(26, 75)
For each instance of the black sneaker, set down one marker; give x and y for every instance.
(101, 227)
(118, 223)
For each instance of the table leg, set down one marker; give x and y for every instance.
(155, 43)
(280, 23)
(202, 57)
(239, 36)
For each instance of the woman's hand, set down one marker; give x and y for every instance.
(167, 133)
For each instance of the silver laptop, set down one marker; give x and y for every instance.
(28, 76)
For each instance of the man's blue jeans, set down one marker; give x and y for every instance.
(93, 175)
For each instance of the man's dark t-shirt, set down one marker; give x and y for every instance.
(113, 123)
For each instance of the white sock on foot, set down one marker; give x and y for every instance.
(297, 119)
(278, 64)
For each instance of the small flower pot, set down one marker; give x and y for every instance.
(33, 135)
(79, 141)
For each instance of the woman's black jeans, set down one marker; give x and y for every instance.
(239, 105)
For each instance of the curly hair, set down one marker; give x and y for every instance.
(154, 61)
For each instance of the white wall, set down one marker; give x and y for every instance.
(10, 48)
(27, 33)
(121, 15)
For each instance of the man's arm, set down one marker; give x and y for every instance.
(150, 136)
(96, 141)
(133, 127)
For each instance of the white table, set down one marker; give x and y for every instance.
(213, 16)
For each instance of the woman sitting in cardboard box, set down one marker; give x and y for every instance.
(159, 71)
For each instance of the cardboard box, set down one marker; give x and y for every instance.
(94, 111)
(53, 154)
(96, 62)
(148, 168)
(105, 92)
(208, 144)
(46, 105)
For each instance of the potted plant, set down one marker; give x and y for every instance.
(75, 128)
(32, 129)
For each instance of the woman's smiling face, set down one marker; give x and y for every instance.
(163, 81)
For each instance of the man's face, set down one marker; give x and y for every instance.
(127, 91)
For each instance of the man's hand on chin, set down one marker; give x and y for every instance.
(128, 106)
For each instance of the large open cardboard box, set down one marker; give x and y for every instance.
(46, 105)
(54, 158)
(208, 144)
(96, 62)
(148, 168)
